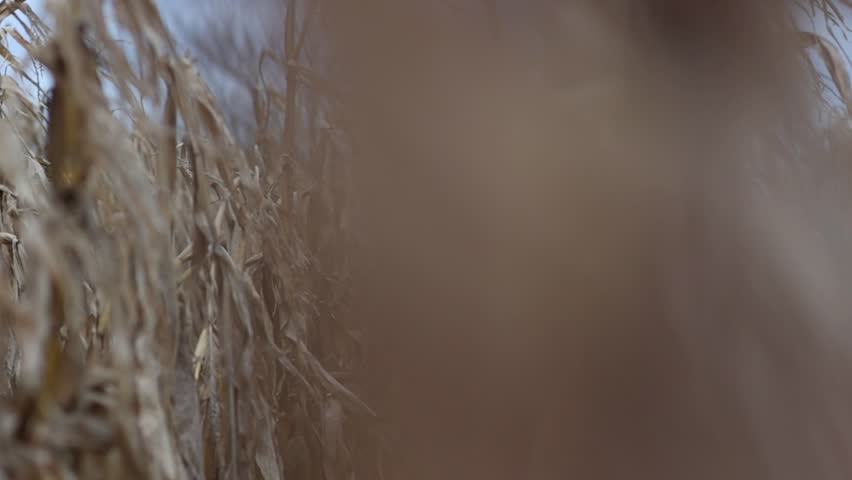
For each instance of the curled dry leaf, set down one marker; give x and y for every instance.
(835, 63)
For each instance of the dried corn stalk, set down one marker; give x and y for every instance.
(161, 309)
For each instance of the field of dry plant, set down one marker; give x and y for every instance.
(177, 299)
(171, 299)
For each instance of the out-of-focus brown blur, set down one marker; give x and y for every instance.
(615, 253)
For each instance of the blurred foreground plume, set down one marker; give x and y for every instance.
(612, 245)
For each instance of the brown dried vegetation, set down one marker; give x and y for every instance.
(166, 313)
(623, 254)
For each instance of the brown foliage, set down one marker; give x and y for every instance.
(607, 243)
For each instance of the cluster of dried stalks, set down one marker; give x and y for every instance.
(175, 303)
(171, 301)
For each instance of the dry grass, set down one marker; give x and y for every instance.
(169, 308)
(176, 304)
